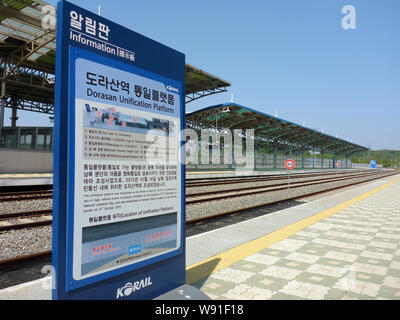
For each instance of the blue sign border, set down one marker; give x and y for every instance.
(150, 56)
(74, 54)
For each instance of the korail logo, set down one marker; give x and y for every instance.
(173, 89)
(130, 287)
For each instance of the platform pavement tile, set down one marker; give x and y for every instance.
(336, 294)
(320, 226)
(348, 235)
(345, 242)
(244, 265)
(287, 263)
(358, 287)
(393, 272)
(389, 293)
(395, 265)
(284, 296)
(233, 275)
(382, 246)
(354, 229)
(308, 234)
(385, 245)
(297, 237)
(338, 220)
(327, 270)
(267, 282)
(388, 235)
(213, 286)
(262, 259)
(313, 249)
(326, 262)
(281, 272)
(377, 255)
(373, 262)
(319, 279)
(214, 297)
(391, 281)
(246, 292)
(367, 277)
(303, 257)
(333, 262)
(274, 252)
(348, 250)
(390, 227)
(305, 290)
(369, 268)
(339, 244)
(288, 244)
(343, 256)
(386, 240)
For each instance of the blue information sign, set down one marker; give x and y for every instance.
(373, 164)
(118, 203)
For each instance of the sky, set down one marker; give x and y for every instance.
(289, 57)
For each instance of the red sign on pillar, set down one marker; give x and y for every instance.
(290, 164)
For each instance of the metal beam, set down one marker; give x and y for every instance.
(10, 12)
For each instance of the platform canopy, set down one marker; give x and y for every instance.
(27, 53)
(269, 132)
(200, 84)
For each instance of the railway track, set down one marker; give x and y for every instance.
(25, 195)
(48, 193)
(228, 180)
(290, 197)
(40, 218)
(27, 217)
(237, 192)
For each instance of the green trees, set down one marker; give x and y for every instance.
(388, 158)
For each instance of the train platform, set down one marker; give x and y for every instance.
(342, 246)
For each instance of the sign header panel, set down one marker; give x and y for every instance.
(120, 207)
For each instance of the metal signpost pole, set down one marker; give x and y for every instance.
(289, 165)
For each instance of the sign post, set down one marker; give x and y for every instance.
(290, 165)
(118, 203)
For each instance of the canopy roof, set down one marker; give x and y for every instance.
(269, 131)
(27, 53)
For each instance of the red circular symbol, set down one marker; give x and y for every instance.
(290, 164)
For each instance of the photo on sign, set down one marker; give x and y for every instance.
(129, 206)
(122, 119)
(120, 243)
